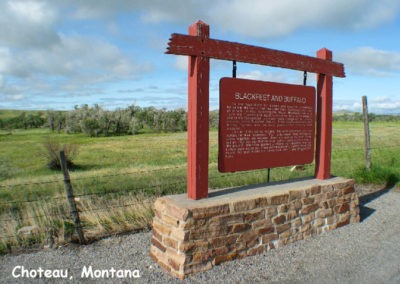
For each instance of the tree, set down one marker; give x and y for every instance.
(90, 126)
(56, 120)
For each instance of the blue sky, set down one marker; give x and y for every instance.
(58, 54)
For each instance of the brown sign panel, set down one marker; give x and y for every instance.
(265, 125)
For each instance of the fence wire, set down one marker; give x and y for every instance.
(100, 180)
(168, 179)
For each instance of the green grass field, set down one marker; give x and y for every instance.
(118, 177)
(23, 160)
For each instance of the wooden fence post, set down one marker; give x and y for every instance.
(366, 134)
(71, 198)
(198, 118)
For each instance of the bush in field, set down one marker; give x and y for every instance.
(52, 150)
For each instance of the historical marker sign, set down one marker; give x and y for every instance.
(265, 124)
(200, 48)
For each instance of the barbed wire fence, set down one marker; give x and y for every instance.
(43, 205)
(40, 212)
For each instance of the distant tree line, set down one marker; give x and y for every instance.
(356, 116)
(97, 121)
(24, 121)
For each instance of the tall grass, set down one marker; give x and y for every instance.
(51, 224)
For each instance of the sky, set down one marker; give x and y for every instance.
(57, 54)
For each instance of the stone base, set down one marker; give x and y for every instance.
(190, 236)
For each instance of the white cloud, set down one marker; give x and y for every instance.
(181, 63)
(253, 18)
(370, 61)
(154, 11)
(263, 19)
(57, 47)
(31, 11)
(33, 48)
(349, 105)
(27, 23)
(384, 104)
(4, 59)
(376, 105)
(270, 76)
(101, 9)
(17, 97)
(72, 55)
(71, 65)
(382, 99)
(38, 59)
(280, 75)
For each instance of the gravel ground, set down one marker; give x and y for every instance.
(368, 252)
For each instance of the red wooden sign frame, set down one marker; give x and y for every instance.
(265, 125)
(200, 47)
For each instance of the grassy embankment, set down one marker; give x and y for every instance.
(117, 175)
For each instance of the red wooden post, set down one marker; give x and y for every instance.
(198, 118)
(324, 121)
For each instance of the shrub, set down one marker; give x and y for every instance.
(52, 150)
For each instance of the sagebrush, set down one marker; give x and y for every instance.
(52, 149)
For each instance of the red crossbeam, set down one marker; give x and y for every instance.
(180, 44)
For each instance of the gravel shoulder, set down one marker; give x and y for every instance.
(367, 252)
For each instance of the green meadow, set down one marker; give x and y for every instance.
(23, 160)
(116, 179)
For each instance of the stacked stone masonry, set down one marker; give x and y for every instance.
(192, 236)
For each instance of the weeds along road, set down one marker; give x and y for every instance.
(368, 252)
